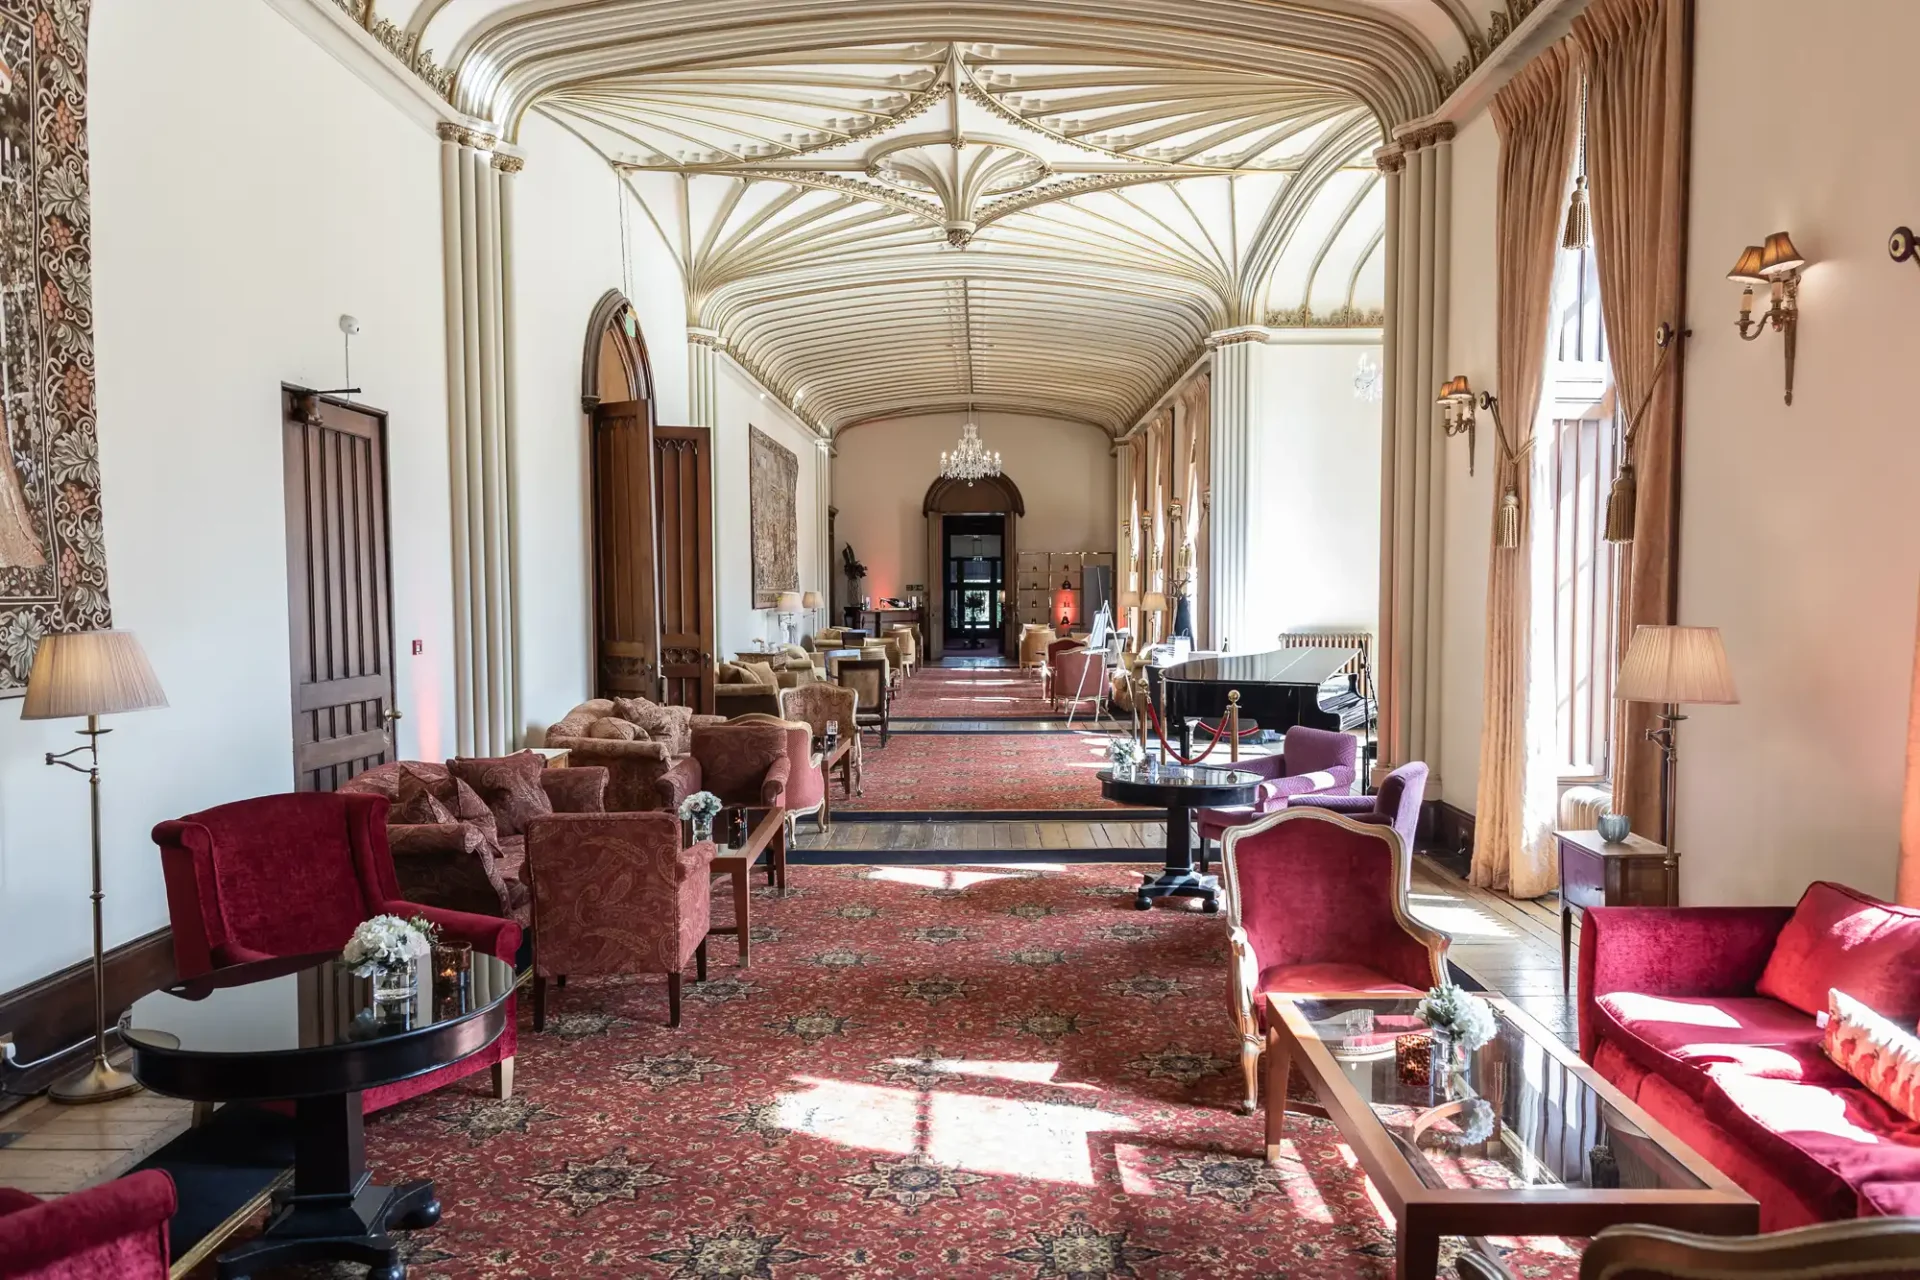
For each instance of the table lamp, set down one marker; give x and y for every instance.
(91, 674)
(786, 604)
(1151, 602)
(1671, 666)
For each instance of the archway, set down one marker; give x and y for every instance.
(616, 393)
(994, 496)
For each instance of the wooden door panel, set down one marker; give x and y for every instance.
(683, 472)
(626, 591)
(339, 601)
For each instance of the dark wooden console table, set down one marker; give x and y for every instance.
(1593, 873)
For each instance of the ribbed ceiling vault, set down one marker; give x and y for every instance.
(883, 207)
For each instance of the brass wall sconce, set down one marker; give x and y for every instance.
(1456, 411)
(1776, 264)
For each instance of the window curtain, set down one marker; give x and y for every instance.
(1196, 411)
(1639, 65)
(1513, 830)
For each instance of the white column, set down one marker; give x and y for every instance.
(451, 206)
(703, 360)
(508, 168)
(1233, 406)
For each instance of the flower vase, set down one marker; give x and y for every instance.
(1447, 1067)
(702, 829)
(394, 983)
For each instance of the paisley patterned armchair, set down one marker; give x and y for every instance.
(819, 704)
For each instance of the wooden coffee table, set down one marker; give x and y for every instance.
(840, 757)
(1565, 1153)
(769, 834)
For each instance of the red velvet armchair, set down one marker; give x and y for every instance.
(116, 1231)
(292, 874)
(1311, 762)
(615, 893)
(1317, 903)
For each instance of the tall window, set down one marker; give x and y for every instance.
(1584, 438)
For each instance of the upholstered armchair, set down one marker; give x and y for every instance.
(1396, 805)
(1055, 649)
(887, 647)
(115, 1231)
(867, 677)
(908, 638)
(1311, 762)
(615, 893)
(743, 763)
(1317, 903)
(660, 735)
(1888, 1248)
(738, 692)
(820, 704)
(1079, 675)
(291, 875)
(1033, 645)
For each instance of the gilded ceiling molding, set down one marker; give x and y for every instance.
(1501, 23)
(403, 45)
(1347, 317)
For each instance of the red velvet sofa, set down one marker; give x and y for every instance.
(116, 1231)
(1707, 1017)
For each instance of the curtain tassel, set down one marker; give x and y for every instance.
(1507, 533)
(1621, 505)
(1579, 232)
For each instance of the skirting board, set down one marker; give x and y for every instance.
(1446, 835)
(57, 1011)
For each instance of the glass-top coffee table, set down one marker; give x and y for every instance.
(1525, 1140)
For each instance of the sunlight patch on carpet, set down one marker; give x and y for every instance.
(938, 877)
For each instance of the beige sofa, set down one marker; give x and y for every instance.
(634, 756)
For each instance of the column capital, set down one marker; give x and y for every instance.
(467, 135)
(508, 164)
(698, 337)
(1231, 337)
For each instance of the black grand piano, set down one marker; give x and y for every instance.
(1310, 686)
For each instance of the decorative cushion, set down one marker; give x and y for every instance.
(510, 787)
(1875, 1052)
(1844, 939)
(762, 673)
(1690, 1041)
(415, 804)
(613, 728)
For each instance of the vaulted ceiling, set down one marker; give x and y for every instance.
(883, 207)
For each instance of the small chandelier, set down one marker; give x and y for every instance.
(970, 460)
(1366, 379)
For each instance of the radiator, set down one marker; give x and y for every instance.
(1581, 807)
(1361, 640)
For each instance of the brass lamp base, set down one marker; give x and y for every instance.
(99, 1082)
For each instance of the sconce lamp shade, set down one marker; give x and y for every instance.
(1747, 270)
(1128, 598)
(89, 673)
(1456, 388)
(1780, 257)
(810, 600)
(1675, 664)
(1154, 602)
(787, 602)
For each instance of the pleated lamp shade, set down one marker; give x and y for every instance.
(1675, 664)
(1154, 602)
(810, 600)
(787, 602)
(89, 673)
(1128, 598)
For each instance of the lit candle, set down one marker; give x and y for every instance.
(1746, 305)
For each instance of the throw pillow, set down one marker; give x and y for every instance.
(470, 810)
(1875, 1052)
(733, 673)
(1842, 938)
(510, 786)
(415, 804)
(762, 673)
(615, 729)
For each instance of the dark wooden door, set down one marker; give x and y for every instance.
(339, 601)
(683, 476)
(625, 588)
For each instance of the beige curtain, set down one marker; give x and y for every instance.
(1197, 412)
(1638, 64)
(1535, 115)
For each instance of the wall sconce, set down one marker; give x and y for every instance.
(1777, 264)
(1900, 246)
(1456, 411)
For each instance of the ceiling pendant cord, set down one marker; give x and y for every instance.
(970, 460)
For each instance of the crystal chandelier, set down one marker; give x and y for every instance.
(1366, 379)
(970, 460)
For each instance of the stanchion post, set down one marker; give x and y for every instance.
(1233, 726)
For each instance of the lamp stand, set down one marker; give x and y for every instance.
(101, 1081)
(1666, 737)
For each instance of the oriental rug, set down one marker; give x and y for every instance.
(969, 1073)
(975, 772)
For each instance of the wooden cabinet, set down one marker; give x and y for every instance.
(1040, 577)
(1594, 873)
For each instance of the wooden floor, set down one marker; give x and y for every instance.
(1507, 946)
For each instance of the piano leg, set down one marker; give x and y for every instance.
(1179, 879)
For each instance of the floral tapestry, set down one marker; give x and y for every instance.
(774, 475)
(53, 566)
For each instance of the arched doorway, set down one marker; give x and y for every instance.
(972, 508)
(616, 392)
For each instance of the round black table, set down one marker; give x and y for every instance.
(1179, 790)
(305, 1029)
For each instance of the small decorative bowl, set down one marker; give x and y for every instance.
(1613, 827)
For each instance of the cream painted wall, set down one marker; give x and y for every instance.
(740, 404)
(1315, 479)
(1467, 519)
(566, 254)
(881, 471)
(221, 264)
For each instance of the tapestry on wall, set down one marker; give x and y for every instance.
(775, 474)
(53, 564)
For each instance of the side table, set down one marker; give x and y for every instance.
(1636, 872)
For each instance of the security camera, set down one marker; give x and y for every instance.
(349, 326)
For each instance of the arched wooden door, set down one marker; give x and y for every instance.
(616, 391)
(998, 495)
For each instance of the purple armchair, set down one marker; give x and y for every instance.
(1397, 804)
(1317, 902)
(117, 1230)
(1311, 762)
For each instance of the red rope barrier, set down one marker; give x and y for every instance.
(1160, 731)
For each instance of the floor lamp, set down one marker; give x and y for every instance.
(1672, 666)
(91, 674)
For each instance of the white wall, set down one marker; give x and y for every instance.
(739, 404)
(881, 471)
(566, 255)
(1314, 474)
(247, 190)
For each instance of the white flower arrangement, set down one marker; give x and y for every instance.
(387, 942)
(1125, 753)
(1464, 1017)
(700, 805)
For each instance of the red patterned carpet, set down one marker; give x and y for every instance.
(989, 772)
(966, 1073)
(972, 693)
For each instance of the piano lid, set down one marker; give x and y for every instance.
(1279, 666)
